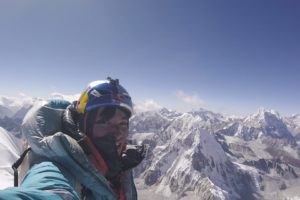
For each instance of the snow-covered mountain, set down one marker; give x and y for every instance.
(293, 124)
(185, 157)
(15, 107)
(202, 154)
(264, 123)
(10, 149)
(13, 110)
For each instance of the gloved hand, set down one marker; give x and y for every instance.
(132, 156)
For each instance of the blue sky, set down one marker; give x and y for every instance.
(227, 56)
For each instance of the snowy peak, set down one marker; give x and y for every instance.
(13, 110)
(169, 114)
(210, 120)
(262, 117)
(264, 123)
(207, 115)
(263, 111)
(15, 107)
(186, 157)
(293, 124)
(152, 121)
(295, 120)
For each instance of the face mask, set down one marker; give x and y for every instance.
(106, 145)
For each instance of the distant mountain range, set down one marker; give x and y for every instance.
(205, 155)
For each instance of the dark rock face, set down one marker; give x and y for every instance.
(221, 140)
(188, 141)
(12, 121)
(230, 130)
(283, 186)
(261, 164)
(275, 127)
(152, 176)
(199, 161)
(174, 184)
(10, 124)
(241, 149)
(276, 164)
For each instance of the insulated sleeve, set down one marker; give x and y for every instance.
(43, 181)
(27, 194)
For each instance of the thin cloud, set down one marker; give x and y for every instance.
(56, 95)
(147, 105)
(193, 100)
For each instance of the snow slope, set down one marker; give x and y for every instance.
(10, 149)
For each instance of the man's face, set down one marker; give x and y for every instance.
(116, 126)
